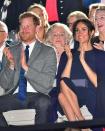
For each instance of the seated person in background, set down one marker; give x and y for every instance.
(91, 14)
(99, 41)
(3, 44)
(41, 12)
(76, 73)
(72, 17)
(57, 35)
(28, 75)
(92, 10)
(3, 38)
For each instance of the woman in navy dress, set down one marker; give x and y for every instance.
(99, 43)
(77, 76)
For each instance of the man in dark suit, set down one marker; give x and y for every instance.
(3, 44)
(39, 72)
(66, 6)
(15, 9)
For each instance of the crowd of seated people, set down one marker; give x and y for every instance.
(58, 76)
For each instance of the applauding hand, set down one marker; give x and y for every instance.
(9, 57)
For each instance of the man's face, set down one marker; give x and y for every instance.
(27, 30)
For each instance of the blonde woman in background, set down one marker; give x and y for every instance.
(73, 16)
(41, 12)
(91, 15)
(92, 10)
(99, 41)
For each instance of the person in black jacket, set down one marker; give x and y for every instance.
(64, 7)
(67, 6)
(15, 9)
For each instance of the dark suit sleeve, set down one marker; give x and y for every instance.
(6, 77)
(10, 77)
(66, 6)
(15, 9)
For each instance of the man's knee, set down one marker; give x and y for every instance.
(44, 102)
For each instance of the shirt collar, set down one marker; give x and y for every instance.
(31, 46)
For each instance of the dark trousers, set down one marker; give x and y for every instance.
(40, 102)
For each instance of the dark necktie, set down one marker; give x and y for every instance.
(22, 94)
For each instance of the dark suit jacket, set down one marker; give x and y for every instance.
(67, 6)
(15, 9)
(41, 73)
(19, 6)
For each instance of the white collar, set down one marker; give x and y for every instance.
(31, 46)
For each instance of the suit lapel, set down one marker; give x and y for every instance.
(4, 61)
(35, 52)
(3, 57)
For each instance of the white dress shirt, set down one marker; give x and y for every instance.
(1, 51)
(29, 87)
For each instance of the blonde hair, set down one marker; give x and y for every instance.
(101, 7)
(94, 6)
(35, 5)
(77, 14)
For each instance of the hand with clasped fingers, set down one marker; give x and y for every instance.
(67, 70)
(68, 51)
(82, 55)
(24, 64)
(10, 58)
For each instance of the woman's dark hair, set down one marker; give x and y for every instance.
(86, 22)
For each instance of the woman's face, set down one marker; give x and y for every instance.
(100, 20)
(82, 33)
(58, 37)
